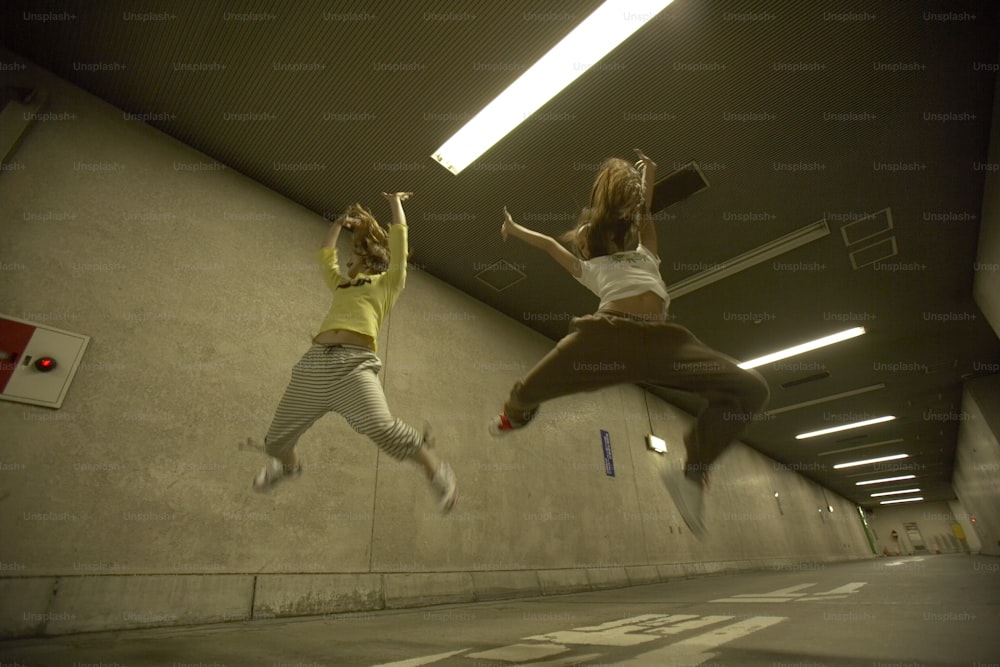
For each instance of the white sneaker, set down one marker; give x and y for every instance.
(687, 496)
(446, 486)
(273, 473)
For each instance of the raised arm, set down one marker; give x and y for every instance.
(647, 230)
(334, 232)
(555, 249)
(342, 221)
(327, 255)
(398, 243)
(396, 200)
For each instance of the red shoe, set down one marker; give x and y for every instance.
(501, 425)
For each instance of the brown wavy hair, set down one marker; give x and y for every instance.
(609, 223)
(370, 240)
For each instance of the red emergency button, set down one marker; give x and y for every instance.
(45, 364)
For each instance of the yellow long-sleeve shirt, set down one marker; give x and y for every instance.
(360, 305)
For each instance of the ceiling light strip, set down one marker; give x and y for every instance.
(885, 479)
(894, 493)
(778, 246)
(596, 36)
(838, 337)
(852, 464)
(844, 427)
(902, 500)
(924, 468)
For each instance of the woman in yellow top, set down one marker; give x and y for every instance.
(339, 373)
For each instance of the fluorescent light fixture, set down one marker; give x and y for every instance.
(804, 347)
(885, 479)
(769, 250)
(892, 457)
(596, 36)
(901, 500)
(656, 444)
(835, 429)
(895, 493)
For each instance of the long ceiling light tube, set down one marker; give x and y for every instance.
(901, 500)
(844, 427)
(852, 464)
(802, 348)
(596, 36)
(885, 480)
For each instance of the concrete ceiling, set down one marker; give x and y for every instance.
(796, 112)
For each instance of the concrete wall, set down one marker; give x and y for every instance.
(977, 460)
(986, 283)
(977, 463)
(935, 522)
(131, 506)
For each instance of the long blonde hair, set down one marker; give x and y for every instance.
(609, 222)
(370, 240)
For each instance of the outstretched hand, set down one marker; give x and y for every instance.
(644, 160)
(508, 224)
(347, 221)
(401, 196)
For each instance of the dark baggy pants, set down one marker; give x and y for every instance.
(609, 348)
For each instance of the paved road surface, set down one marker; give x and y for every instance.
(900, 612)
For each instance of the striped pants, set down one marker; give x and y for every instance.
(342, 379)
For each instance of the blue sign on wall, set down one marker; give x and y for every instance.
(609, 465)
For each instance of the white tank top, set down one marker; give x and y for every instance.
(624, 274)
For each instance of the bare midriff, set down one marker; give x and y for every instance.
(648, 305)
(344, 337)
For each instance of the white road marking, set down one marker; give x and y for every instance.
(846, 589)
(626, 635)
(821, 597)
(629, 631)
(780, 593)
(416, 662)
(696, 650)
(789, 594)
(691, 625)
(632, 620)
(574, 661)
(520, 652)
(748, 599)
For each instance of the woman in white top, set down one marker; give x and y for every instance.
(628, 339)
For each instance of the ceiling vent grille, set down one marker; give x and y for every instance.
(866, 228)
(876, 252)
(500, 275)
